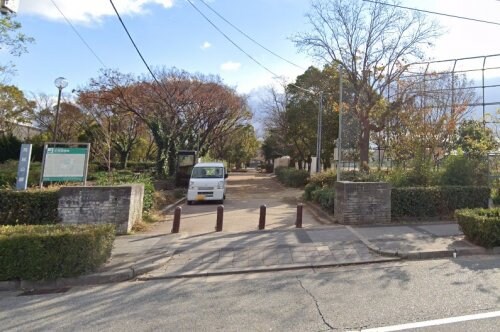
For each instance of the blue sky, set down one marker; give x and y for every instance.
(171, 33)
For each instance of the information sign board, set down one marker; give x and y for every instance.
(65, 164)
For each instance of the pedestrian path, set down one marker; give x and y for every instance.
(261, 251)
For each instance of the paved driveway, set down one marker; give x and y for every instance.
(245, 194)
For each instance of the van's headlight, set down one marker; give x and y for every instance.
(220, 185)
(191, 184)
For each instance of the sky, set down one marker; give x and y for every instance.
(170, 33)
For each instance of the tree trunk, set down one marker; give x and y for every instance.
(172, 159)
(124, 158)
(364, 148)
(160, 161)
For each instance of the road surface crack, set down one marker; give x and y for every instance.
(317, 305)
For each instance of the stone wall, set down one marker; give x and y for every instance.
(118, 205)
(362, 202)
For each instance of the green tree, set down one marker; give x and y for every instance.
(475, 140)
(238, 147)
(12, 40)
(14, 108)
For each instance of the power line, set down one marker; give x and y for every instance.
(250, 38)
(434, 13)
(239, 47)
(133, 43)
(230, 40)
(78, 34)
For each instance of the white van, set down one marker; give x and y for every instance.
(207, 183)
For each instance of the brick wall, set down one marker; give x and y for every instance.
(118, 205)
(362, 202)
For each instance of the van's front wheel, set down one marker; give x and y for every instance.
(190, 202)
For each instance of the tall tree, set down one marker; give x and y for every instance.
(475, 139)
(183, 111)
(14, 108)
(11, 40)
(372, 42)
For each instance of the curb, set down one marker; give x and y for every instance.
(86, 280)
(320, 215)
(414, 255)
(173, 205)
(270, 268)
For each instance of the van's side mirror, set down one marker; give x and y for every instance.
(226, 176)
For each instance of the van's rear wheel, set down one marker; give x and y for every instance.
(190, 202)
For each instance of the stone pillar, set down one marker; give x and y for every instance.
(362, 202)
(118, 205)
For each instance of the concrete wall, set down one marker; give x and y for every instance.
(119, 205)
(362, 202)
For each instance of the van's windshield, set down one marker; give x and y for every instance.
(208, 172)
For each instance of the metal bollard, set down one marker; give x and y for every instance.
(262, 218)
(220, 217)
(298, 221)
(177, 220)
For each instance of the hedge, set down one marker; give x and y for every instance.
(28, 207)
(480, 226)
(44, 252)
(436, 201)
(292, 177)
(325, 197)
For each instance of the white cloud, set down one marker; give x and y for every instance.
(230, 66)
(87, 11)
(205, 45)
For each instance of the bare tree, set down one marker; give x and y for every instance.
(372, 42)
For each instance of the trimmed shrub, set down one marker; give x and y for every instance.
(480, 226)
(28, 207)
(309, 189)
(355, 176)
(292, 177)
(324, 179)
(325, 197)
(125, 177)
(44, 252)
(436, 201)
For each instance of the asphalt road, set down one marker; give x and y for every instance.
(245, 194)
(348, 298)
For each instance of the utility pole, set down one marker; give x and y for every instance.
(339, 140)
(320, 125)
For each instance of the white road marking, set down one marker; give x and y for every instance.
(435, 322)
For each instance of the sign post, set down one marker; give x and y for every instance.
(65, 163)
(23, 167)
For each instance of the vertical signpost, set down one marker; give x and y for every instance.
(23, 167)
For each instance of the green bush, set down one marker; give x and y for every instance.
(292, 177)
(324, 179)
(462, 171)
(28, 207)
(9, 147)
(325, 197)
(51, 251)
(436, 201)
(309, 189)
(355, 176)
(8, 174)
(125, 177)
(480, 226)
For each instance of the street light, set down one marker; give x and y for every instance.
(60, 83)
